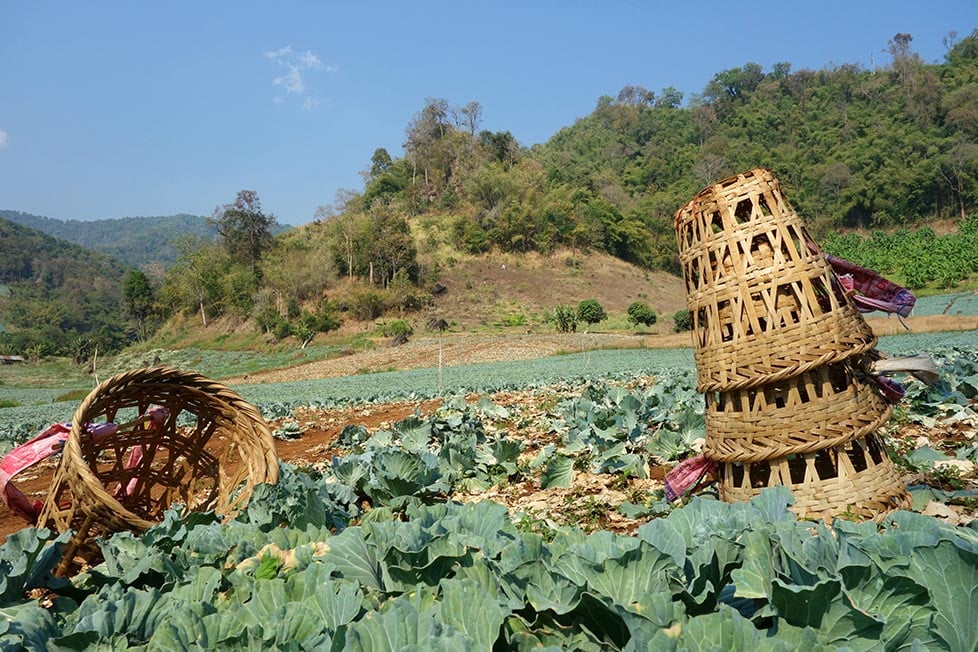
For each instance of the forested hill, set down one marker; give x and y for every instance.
(57, 296)
(896, 145)
(136, 241)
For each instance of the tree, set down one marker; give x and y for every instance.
(424, 132)
(471, 117)
(501, 146)
(590, 311)
(728, 88)
(298, 268)
(139, 297)
(194, 283)
(669, 98)
(959, 170)
(682, 321)
(343, 224)
(389, 246)
(640, 313)
(636, 96)
(379, 162)
(244, 230)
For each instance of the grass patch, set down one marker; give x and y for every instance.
(73, 395)
(366, 371)
(8, 404)
(52, 373)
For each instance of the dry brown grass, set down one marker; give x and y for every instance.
(890, 325)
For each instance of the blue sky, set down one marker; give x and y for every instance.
(120, 109)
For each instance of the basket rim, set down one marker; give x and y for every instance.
(227, 401)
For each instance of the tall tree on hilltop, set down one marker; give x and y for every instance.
(379, 162)
(500, 146)
(244, 230)
(471, 117)
(731, 88)
(424, 132)
(139, 297)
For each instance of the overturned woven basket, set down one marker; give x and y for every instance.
(764, 300)
(206, 449)
(822, 408)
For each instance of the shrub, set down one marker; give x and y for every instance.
(281, 329)
(367, 304)
(404, 294)
(564, 318)
(309, 323)
(267, 319)
(590, 311)
(641, 313)
(469, 236)
(514, 319)
(396, 328)
(682, 321)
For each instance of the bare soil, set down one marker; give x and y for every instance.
(491, 289)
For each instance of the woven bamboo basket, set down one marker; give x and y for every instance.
(207, 452)
(856, 479)
(764, 301)
(821, 408)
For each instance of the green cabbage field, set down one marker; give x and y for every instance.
(525, 511)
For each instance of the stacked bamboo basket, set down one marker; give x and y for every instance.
(781, 354)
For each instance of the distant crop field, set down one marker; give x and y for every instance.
(278, 399)
(957, 304)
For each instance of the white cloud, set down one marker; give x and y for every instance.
(278, 55)
(297, 64)
(291, 81)
(3, 138)
(310, 60)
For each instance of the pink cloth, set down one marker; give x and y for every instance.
(51, 441)
(870, 290)
(23, 457)
(686, 475)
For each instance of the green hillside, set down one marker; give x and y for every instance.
(136, 241)
(58, 298)
(895, 146)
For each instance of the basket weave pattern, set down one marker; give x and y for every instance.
(817, 409)
(764, 301)
(781, 355)
(208, 453)
(857, 478)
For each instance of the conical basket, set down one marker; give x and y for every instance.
(821, 408)
(207, 452)
(856, 479)
(764, 301)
